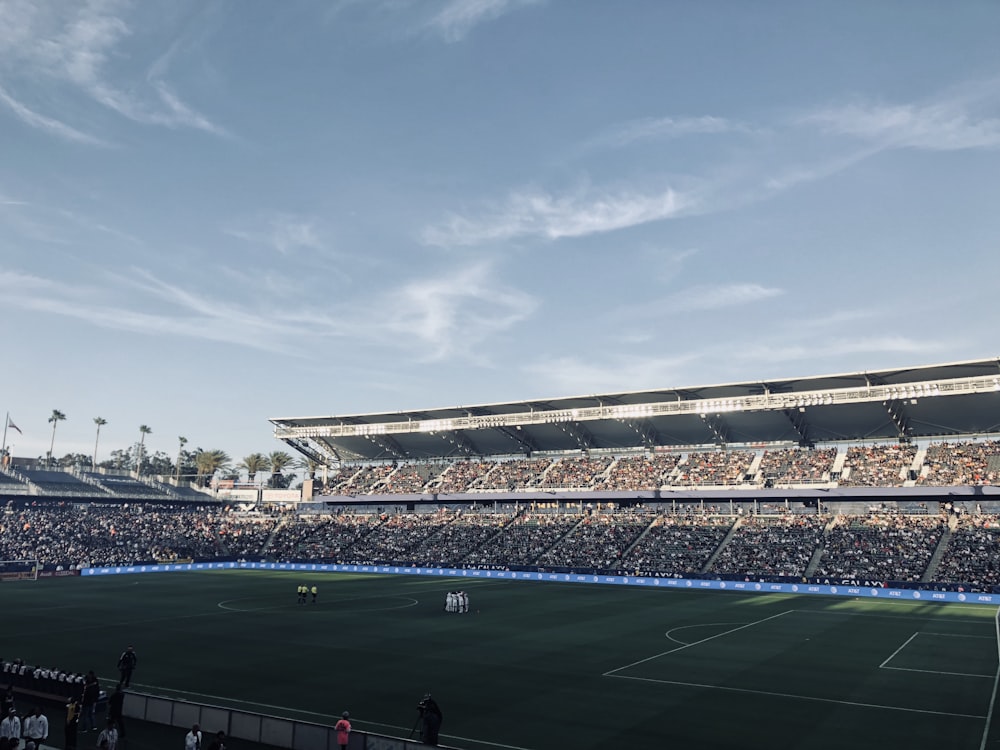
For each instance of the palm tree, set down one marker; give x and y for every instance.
(279, 461)
(143, 431)
(56, 418)
(100, 422)
(182, 441)
(311, 465)
(254, 463)
(209, 462)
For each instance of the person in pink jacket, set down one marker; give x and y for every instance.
(343, 728)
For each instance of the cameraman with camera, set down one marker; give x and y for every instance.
(430, 716)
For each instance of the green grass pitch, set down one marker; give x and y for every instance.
(533, 666)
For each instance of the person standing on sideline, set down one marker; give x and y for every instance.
(343, 729)
(8, 701)
(126, 665)
(219, 743)
(108, 735)
(72, 723)
(91, 693)
(315, 592)
(192, 740)
(431, 715)
(116, 710)
(36, 727)
(10, 727)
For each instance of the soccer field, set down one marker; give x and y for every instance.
(533, 666)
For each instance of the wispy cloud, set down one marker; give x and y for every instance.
(285, 233)
(834, 349)
(938, 126)
(446, 315)
(700, 298)
(610, 373)
(451, 314)
(48, 124)
(540, 214)
(186, 314)
(649, 128)
(718, 296)
(47, 43)
(458, 17)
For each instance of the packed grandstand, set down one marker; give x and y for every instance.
(893, 478)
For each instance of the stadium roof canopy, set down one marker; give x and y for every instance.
(926, 402)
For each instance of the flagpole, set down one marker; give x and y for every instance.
(6, 421)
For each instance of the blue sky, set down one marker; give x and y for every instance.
(212, 213)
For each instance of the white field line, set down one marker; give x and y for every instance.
(409, 599)
(905, 644)
(696, 625)
(993, 697)
(695, 643)
(935, 671)
(797, 697)
(891, 617)
(931, 671)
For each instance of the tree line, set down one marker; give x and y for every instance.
(197, 465)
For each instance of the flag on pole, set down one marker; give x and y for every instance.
(13, 426)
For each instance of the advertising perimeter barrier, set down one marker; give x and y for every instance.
(246, 725)
(841, 588)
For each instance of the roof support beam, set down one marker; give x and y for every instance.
(900, 418)
(801, 426)
(720, 430)
(583, 437)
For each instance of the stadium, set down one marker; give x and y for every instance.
(808, 561)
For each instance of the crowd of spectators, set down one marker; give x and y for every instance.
(771, 546)
(598, 541)
(961, 463)
(359, 480)
(880, 546)
(973, 553)
(411, 478)
(396, 537)
(797, 465)
(634, 473)
(75, 536)
(575, 473)
(320, 538)
(507, 476)
(679, 544)
(453, 542)
(958, 463)
(522, 541)
(875, 543)
(461, 475)
(878, 465)
(714, 468)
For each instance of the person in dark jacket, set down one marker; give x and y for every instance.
(116, 708)
(126, 665)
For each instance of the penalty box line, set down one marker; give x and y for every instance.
(612, 672)
(908, 641)
(793, 696)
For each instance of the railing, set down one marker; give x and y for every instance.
(274, 731)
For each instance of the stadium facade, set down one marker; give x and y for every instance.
(953, 401)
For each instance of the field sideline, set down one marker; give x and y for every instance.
(533, 666)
